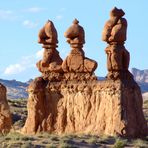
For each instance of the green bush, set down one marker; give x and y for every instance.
(120, 143)
(92, 140)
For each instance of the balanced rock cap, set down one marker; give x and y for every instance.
(51, 30)
(117, 12)
(48, 34)
(75, 31)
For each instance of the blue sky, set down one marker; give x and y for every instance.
(20, 21)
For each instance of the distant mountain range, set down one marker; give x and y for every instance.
(17, 89)
(141, 77)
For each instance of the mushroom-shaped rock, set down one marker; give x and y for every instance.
(76, 62)
(48, 34)
(115, 12)
(51, 62)
(114, 33)
(75, 34)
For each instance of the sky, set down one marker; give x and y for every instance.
(21, 20)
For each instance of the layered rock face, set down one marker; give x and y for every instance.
(5, 115)
(107, 107)
(72, 100)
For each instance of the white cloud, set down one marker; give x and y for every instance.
(39, 54)
(30, 24)
(34, 9)
(25, 63)
(14, 69)
(59, 17)
(7, 14)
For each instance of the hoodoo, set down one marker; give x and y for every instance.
(5, 115)
(68, 98)
(50, 65)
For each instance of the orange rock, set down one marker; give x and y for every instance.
(5, 115)
(48, 34)
(116, 27)
(36, 107)
(51, 62)
(76, 102)
(75, 34)
(118, 58)
(106, 107)
(118, 32)
(89, 65)
(76, 61)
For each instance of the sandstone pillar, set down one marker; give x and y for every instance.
(5, 115)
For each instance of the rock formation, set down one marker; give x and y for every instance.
(78, 103)
(5, 116)
(50, 65)
(76, 62)
(103, 107)
(114, 33)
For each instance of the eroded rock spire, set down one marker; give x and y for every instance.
(5, 115)
(114, 33)
(76, 61)
(50, 65)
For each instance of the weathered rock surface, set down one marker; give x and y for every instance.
(116, 27)
(50, 65)
(5, 115)
(118, 58)
(74, 101)
(93, 107)
(76, 60)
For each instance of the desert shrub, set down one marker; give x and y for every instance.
(139, 143)
(27, 144)
(65, 145)
(104, 139)
(65, 138)
(44, 134)
(54, 138)
(65, 142)
(12, 144)
(92, 140)
(120, 143)
(14, 136)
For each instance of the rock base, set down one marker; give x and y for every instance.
(93, 107)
